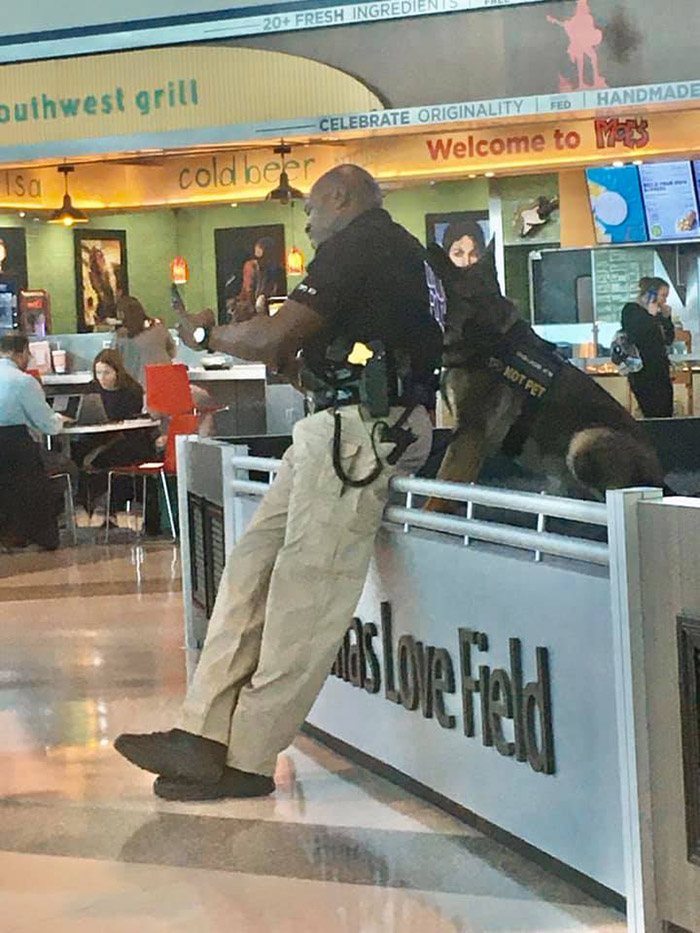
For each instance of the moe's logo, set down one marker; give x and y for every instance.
(419, 676)
(613, 132)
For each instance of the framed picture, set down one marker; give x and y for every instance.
(464, 235)
(13, 255)
(250, 269)
(100, 275)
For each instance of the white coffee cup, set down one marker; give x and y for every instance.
(59, 361)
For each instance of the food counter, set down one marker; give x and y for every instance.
(686, 381)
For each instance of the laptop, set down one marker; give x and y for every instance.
(67, 405)
(91, 410)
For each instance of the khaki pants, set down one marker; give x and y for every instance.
(290, 588)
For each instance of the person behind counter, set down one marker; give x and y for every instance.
(146, 341)
(143, 340)
(647, 323)
(29, 506)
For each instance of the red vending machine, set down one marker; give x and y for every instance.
(35, 312)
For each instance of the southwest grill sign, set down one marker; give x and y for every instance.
(242, 175)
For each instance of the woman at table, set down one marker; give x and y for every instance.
(122, 398)
(143, 340)
(648, 324)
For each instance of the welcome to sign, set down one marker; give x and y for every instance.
(249, 174)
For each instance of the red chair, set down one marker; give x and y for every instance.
(168, 392)
(179, 424)
(168, 389)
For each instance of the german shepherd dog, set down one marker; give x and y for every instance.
(549, 415)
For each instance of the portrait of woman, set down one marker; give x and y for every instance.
(101, 277)
(250, 270)
(462, 234)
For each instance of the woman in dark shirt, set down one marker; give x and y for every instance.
(122, 397)
(647, 322)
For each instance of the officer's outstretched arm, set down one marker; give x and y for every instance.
(271, 340)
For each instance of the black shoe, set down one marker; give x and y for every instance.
(175, 754)
(232, 783)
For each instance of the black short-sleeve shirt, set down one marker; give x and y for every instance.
(651, 334)
(368, 282)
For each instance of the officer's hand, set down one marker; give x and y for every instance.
(188, 323)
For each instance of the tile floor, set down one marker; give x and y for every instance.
(91, 645)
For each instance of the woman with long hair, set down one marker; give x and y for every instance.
(122, 397)
(263, 278)
(648, 324)
(143, 340)
(464, 242)
(121, 394)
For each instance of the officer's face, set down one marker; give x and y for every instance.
(323, 214)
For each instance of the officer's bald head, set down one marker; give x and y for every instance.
(337, 198)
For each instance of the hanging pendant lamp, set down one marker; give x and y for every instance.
(67, 214)
(284, 193)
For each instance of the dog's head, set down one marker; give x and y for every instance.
(473, 294)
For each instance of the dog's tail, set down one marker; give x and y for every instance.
(602, 458)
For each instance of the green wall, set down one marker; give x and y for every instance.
(155, 237)
(151, 244)
(408, 206)
(195, 227)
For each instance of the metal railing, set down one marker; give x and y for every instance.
(249, 487)
(467, 528)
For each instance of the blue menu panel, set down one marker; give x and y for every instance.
(670, 200)
(616, 200)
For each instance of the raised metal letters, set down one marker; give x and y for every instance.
(418, 676)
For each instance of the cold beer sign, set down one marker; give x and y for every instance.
(498, 705)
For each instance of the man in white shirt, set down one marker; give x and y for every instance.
(28, 506)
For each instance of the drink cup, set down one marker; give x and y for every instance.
(59, 360)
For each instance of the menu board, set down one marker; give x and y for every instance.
(616, 274)
(696, 172)
(616, 200)
(669, 199)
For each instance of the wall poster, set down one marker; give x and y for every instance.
(463, 235)
(100, 276)
(250, 269)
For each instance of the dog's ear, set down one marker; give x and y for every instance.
(440, 262)
(485, 270)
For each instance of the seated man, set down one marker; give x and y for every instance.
(28, 504)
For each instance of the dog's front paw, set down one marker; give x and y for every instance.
(446, 506)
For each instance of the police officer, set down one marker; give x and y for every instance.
(292, 583)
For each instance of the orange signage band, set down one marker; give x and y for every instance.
(237, 175)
